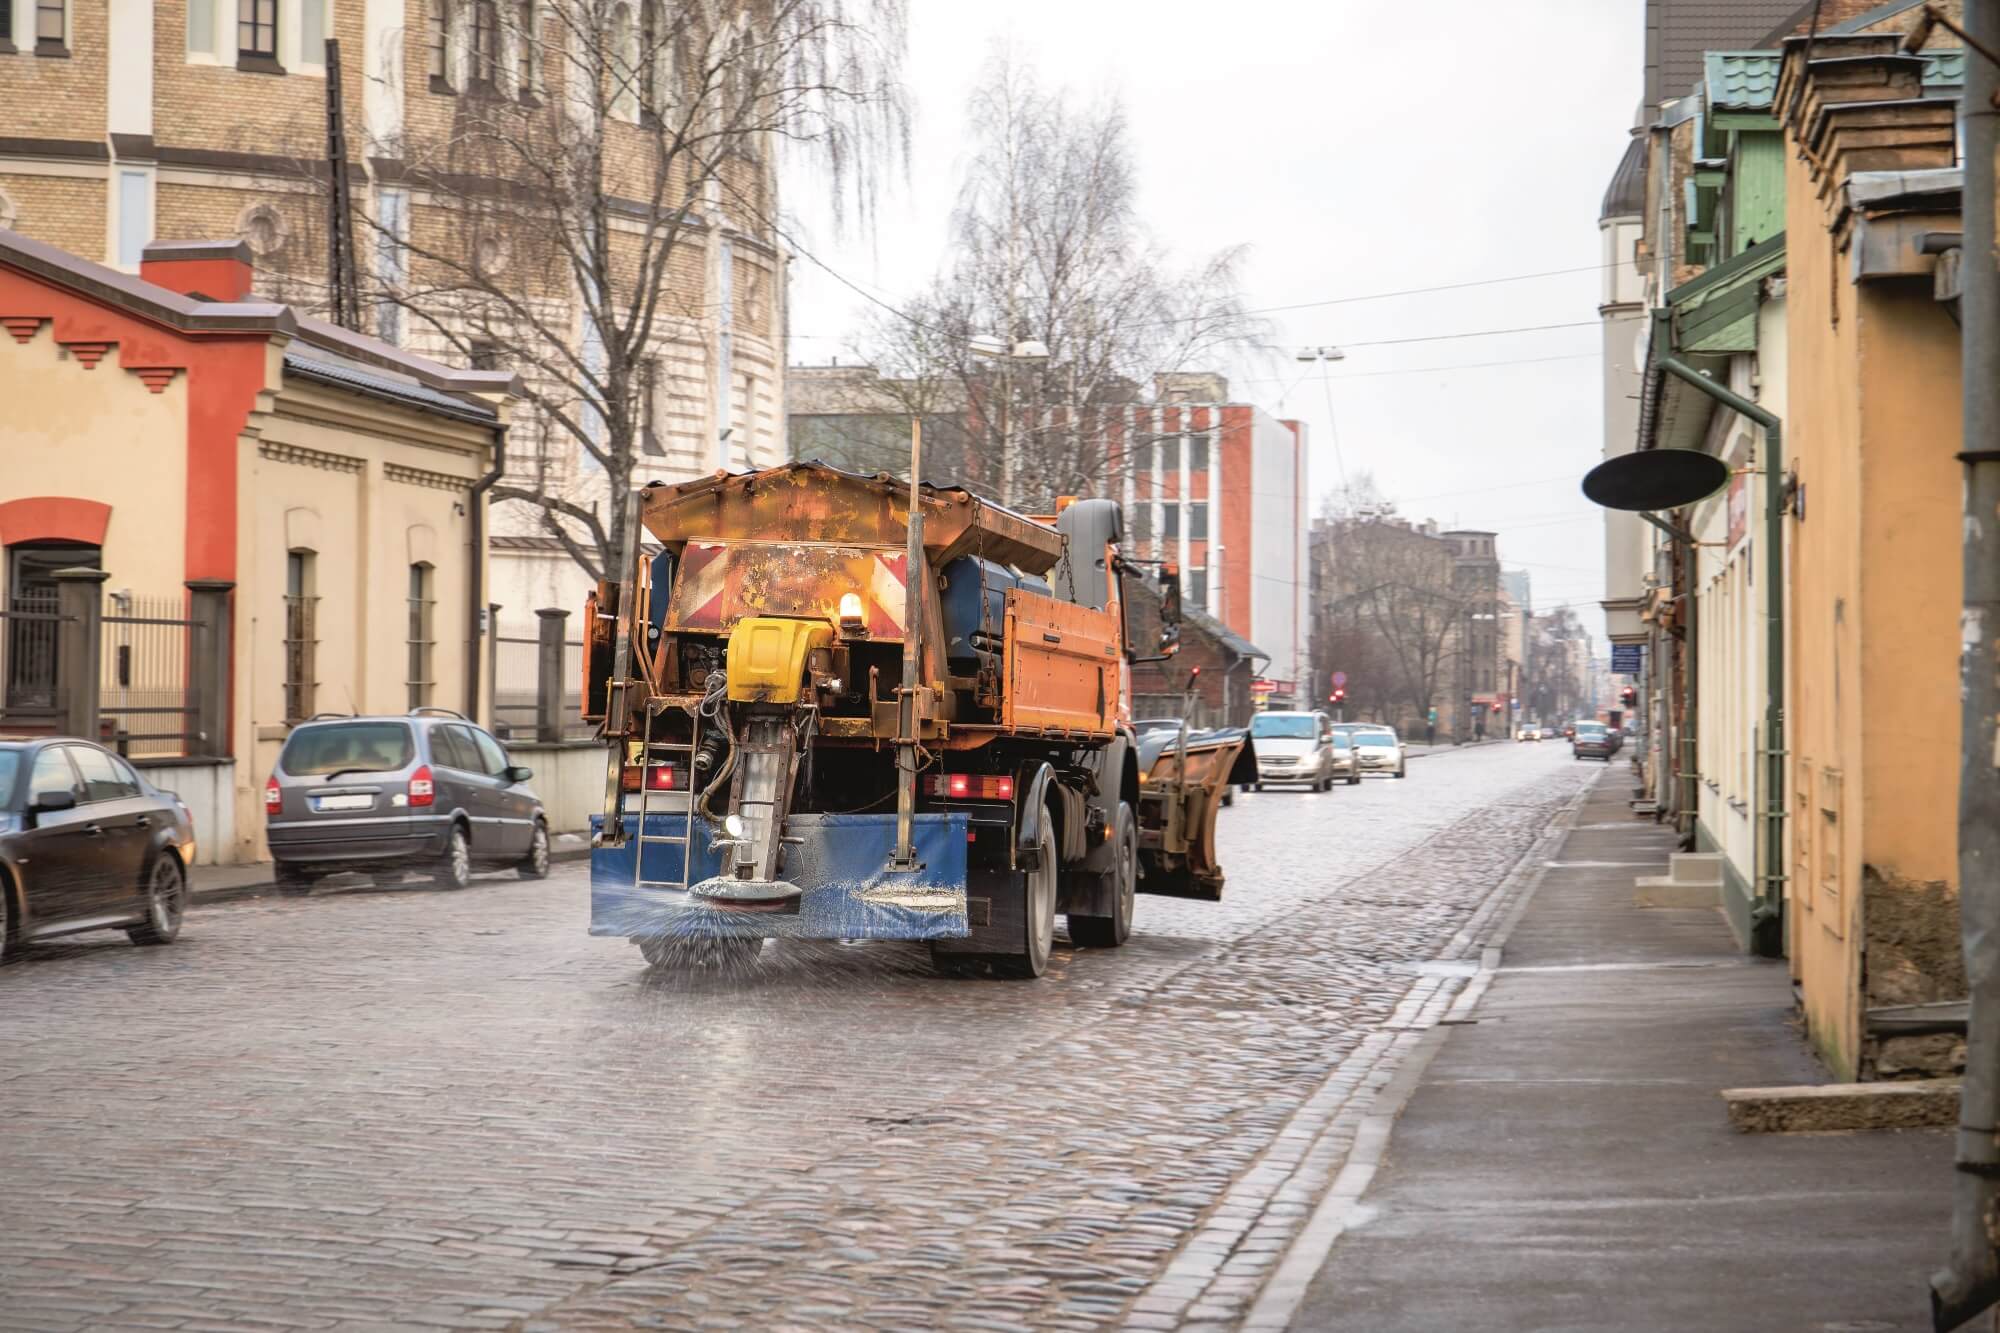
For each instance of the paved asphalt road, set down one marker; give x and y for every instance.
(412, 1107)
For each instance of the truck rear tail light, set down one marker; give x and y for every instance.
(850, 612)
(971, 787)
(274, 798)
(660, 777)
(422, 790)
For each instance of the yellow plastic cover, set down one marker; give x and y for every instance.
(767, 657)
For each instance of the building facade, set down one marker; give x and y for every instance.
(127, 121)
(1874, 429)
(303, 521)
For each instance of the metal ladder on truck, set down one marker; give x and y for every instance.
(648, 749)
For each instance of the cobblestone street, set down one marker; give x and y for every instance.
(410, 1107)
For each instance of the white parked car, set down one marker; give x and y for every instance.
(1380, 750)
(1294, 747)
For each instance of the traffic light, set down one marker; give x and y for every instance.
(1339, 694)
(1628, 696)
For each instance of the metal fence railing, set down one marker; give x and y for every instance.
(517, 687)
(147, 707)
(30, 622)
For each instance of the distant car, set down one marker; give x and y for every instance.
(1293, 747)
(1346, 761)
(1380, 750)
(429, 791)
(1592, 740)
(1529, 734)
(87, 844)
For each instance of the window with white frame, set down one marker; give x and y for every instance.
(391, 259)
(135, 215)
(622, 65)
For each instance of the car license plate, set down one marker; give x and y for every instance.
(346, 801)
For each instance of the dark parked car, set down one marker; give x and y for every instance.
(430, 791)
(87, 844)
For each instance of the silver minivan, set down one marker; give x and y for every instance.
(430, 791)
(1294, 747)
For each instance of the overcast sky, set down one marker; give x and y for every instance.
(1357, 149)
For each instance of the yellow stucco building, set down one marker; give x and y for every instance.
(1872, 195)
(310, 497)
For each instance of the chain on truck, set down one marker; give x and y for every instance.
(824, 721)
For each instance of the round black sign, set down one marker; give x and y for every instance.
(1655, 479)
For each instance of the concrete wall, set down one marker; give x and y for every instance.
(367, 504)
(569, 777)
(209, 788)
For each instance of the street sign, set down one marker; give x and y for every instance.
(1628, 659)
(1340, 677)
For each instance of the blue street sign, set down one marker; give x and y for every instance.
(1628, 659)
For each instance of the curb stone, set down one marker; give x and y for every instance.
(265, 887)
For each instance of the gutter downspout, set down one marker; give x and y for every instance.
(1767, 914)
(475, 606)
(1971, 1281)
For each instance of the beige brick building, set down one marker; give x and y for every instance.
(126, 121)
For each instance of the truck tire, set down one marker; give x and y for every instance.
(1108, 932)
(1038, 914)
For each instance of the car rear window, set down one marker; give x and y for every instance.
(364, 747)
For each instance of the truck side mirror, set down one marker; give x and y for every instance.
(1170, 610)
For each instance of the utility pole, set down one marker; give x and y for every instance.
(1972, 1281)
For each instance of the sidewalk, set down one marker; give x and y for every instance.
(224, 884)
(1565, 1162)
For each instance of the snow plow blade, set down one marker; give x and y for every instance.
(1181, 786)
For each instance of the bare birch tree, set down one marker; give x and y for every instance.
(1048, 246)
(594, 151)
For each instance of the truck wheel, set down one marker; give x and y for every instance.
(698, 953)
(1108, 932)
(1038, 915)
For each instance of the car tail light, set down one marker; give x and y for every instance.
(971, 787)
(659, 777)
(274, 798)
(422, 790)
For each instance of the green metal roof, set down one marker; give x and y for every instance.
(1748, 80)
(1741, 80)
(1944, 68)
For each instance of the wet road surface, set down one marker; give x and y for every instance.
(408, 1107)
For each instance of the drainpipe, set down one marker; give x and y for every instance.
(1972, 1281)
(1767, 914)
(476, 582)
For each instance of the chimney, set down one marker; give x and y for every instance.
(204, 270)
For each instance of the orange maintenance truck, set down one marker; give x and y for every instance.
(823, 721)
